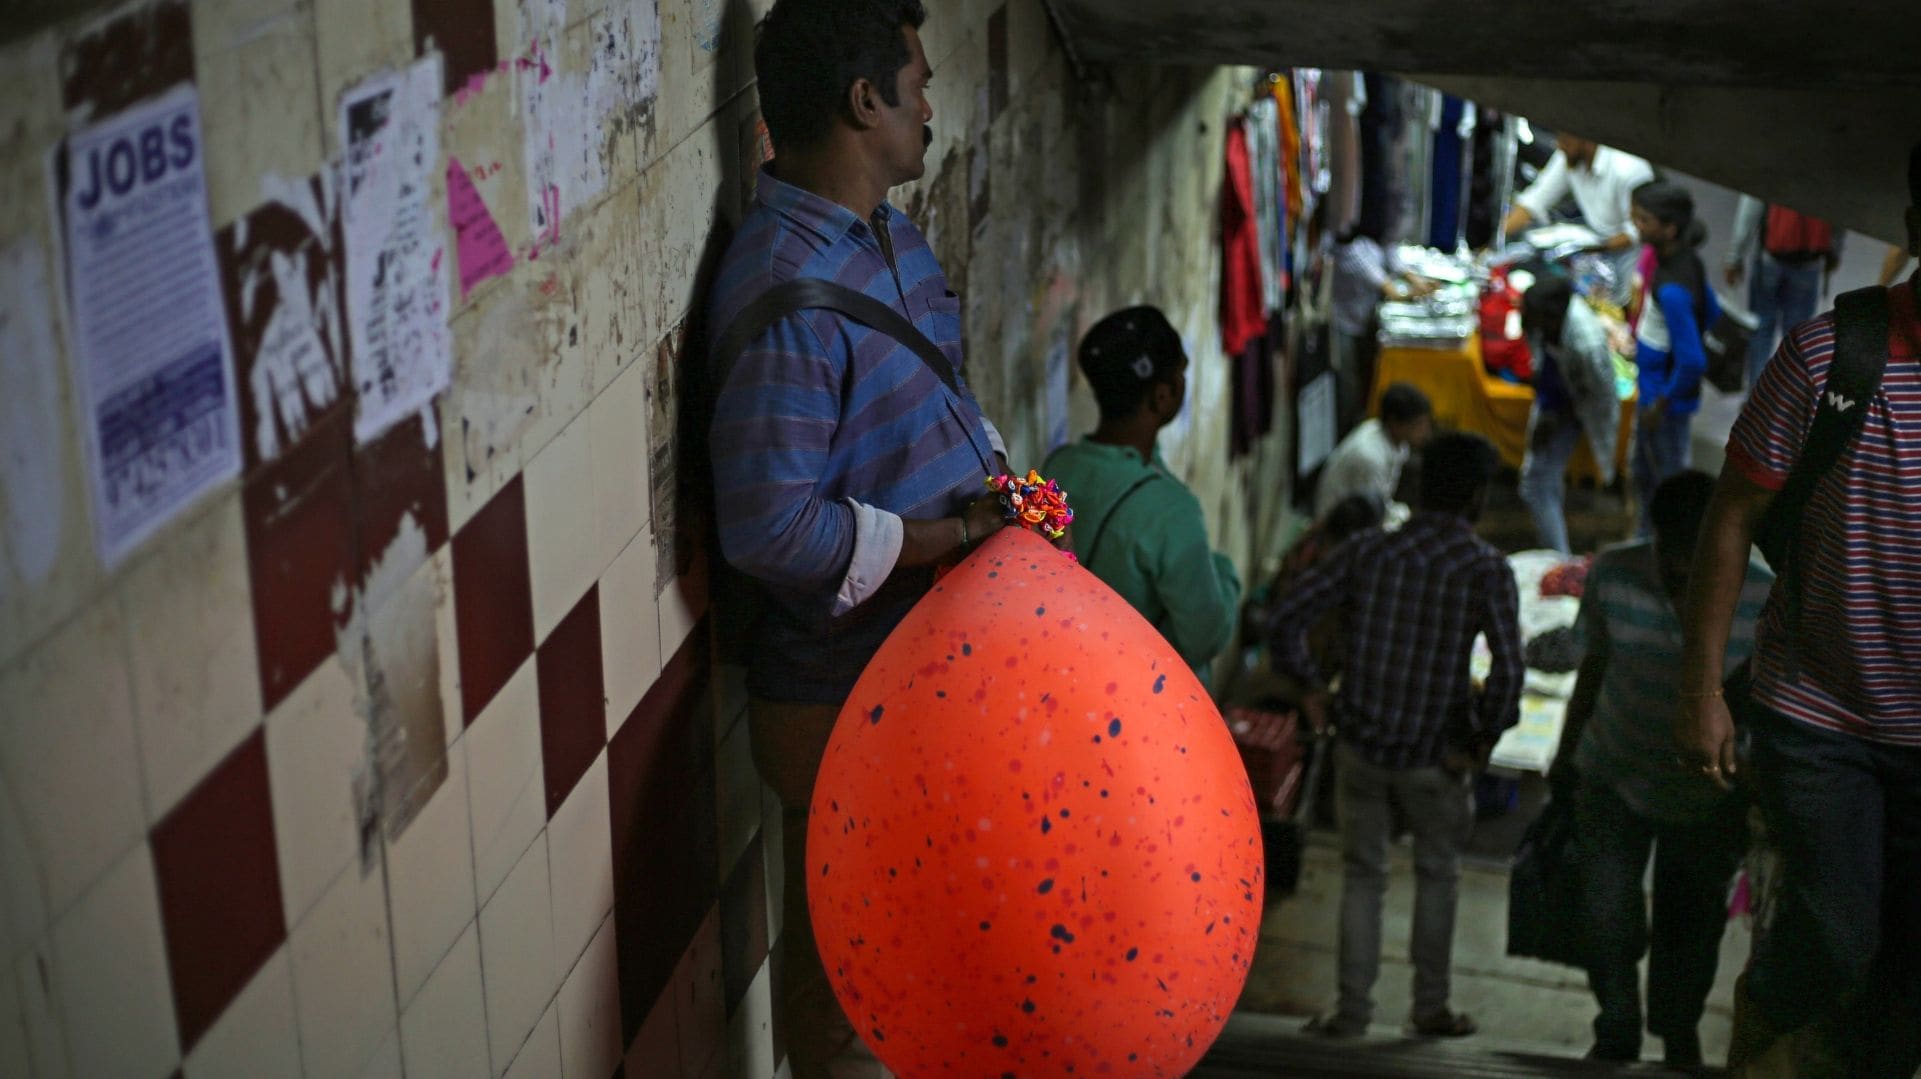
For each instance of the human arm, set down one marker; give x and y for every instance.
(1311, 595)
(1536, 205)
(1703, 727)
(1744, 240)
(1590, 628)
(1684, 333)
(1892, 264)
(774, 420)
(1499, 704)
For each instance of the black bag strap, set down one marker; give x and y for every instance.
(1100, 530)
(1854, 376)
(805, 293)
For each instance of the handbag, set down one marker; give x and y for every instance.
(1544, 890)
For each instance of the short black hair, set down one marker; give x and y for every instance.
(1672, 204)
(1678, 506)
(1402, 403)
(1356, 513)
(810, 51)
(1545, 302)
(1127, 354)
(1455, 469)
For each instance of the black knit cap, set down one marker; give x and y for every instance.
(1127, 352)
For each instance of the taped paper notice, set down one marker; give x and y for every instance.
(479, 247)
(396, 281)
(153, 361)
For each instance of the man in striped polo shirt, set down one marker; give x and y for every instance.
(1836, 734)
(845, 470)
(1632, 797)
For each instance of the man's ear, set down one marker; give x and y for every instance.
(863, 104)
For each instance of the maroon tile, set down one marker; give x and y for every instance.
(573, 700)
(743, 923)
(219, 887)
(463, 31)
(661, 799)
(493, 602)
(271, 249)
(300, 553)
(397, 479)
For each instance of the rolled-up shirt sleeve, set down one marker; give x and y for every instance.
(1773, 424)
(773, 423)
(1547, 190)
(994, 439)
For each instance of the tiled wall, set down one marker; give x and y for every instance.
(412, 757)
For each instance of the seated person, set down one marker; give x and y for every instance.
(1370, 458)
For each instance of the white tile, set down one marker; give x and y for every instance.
(444, 1031)
(681, 606)
(68, 754)
(739, 796)
(590, 1010)
(115, 995)
(561, 549)
(539, 1056)
(343, 976)
(45, 1042)
(385, 1063)
(430, 880)
(750, 1035)
(506, 788)
(580, 847)
(617, 430)
(517, 953)
(196, 686)
(259, 106)
(316, 753)
(23, 903)
(629, 630)
(255, 1037)
(700, 1009)
(772, 828)
(15, 1057)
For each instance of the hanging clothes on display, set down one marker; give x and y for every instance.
(1489, 161)
(1419, 106)
(1346, 98)
(1243, 300)
(1270, 209)
(1450, 166)
(1381, 177)
(1253, 391)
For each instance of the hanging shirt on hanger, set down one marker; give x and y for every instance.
(1242, 296)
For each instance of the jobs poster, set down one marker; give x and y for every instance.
(154, 365)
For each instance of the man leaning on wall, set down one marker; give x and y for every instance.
(845, 469)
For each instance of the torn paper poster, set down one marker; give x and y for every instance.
(284, 281)
(480, 251)
(568, 144)
(663, 399)
(153, 364)
(396, 274)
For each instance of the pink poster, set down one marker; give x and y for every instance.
(481, 249)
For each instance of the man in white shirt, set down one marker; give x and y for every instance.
(1369, 459)
(1602, 180)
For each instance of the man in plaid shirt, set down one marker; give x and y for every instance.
(1413, 728)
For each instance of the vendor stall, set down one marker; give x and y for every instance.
(1546, 614)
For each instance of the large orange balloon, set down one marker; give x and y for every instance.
(1033, 850)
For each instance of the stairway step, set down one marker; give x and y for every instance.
(1270, 1046)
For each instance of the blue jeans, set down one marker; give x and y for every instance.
(1782, 295)
(1843, 947)
(1659, 452)
(1693, 863)
(1551, 439)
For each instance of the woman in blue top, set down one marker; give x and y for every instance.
(1676, 303)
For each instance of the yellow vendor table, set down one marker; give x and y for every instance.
(1467, 398)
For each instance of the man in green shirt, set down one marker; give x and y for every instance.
(1136, 527)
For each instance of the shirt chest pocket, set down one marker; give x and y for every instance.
(941, 322)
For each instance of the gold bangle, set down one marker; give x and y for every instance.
(963, 521)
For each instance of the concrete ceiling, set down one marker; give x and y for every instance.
(1811, 103)
(1863, 43)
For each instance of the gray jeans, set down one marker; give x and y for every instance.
(1439, 808)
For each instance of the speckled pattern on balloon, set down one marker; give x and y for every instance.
(1033, 849)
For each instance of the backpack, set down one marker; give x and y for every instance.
(1795, 234)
